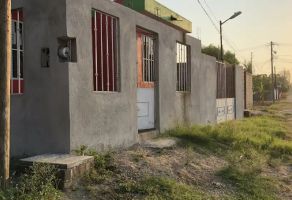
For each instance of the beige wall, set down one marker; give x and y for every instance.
(248, 91)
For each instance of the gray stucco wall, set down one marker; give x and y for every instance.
(40, 117)
(204, 77)
(239, 92)
(104, 120)
(60, 111)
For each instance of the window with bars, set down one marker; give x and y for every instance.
(183, 68)
(105, 52)
(17, 78)
(148, 73)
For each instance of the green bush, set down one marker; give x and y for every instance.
(38, 183)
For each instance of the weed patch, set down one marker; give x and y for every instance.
(155, 188)
(38, 183)
(261, 133)
(249, 184)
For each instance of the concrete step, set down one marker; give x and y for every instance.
(70, 167)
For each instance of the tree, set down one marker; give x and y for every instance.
(230, 58)
(211, 50)
(5, 72)
(248, 66)
(214, 51)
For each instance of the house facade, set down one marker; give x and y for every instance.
(97, 73)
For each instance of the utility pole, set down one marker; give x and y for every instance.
(221, 43)
(5, 74)
(251, 62)
(272, 70)
(276, 81)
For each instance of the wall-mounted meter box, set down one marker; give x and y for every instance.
(67, 50)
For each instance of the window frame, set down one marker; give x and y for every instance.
(183, 70)
(19, 49)
(113, 70)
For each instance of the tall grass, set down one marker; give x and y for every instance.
(248, 145)
(262, 133)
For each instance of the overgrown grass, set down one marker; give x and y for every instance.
(260, 133)
(158, 188)
(103, 165)
(38, 183)
(124, 186)
(249, 184)
(248, 145)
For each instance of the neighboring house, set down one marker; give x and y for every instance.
(96, 73)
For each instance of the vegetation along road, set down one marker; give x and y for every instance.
(247, 159)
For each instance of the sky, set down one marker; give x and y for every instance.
(261, 22)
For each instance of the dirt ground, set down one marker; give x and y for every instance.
(191, 167)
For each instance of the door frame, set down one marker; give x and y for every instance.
(154, 35)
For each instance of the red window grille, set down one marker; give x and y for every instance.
(17, 78)
(105, 56)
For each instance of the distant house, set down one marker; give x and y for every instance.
(98, 73)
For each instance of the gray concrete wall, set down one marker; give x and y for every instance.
(204, 83)
(239, 92)
(40, 117)
(60, 111)
(104, 120)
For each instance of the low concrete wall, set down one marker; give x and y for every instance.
(204, 83)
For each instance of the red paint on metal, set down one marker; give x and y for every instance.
(104, 52)
(140, 82)
(17, 83)
(94, 52)
(17, 86)
(110, 55)
(15, 14)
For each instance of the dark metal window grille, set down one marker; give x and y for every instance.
(230, 81)
(17, 52)
(105, 52)
(225, 81)
(183, 68)
(148, 67)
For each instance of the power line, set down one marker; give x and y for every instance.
(211, 20)
(211, 10)
(226, 40)
(263, 63)
(217, 29)
(225, 37)
(285, 44)
(253, 48)
(285, 55)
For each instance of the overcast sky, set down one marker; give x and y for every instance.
(261, 22)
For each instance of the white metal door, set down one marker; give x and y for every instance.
(146, 81)
(145, 106)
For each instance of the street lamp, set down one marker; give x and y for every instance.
(221, 23)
